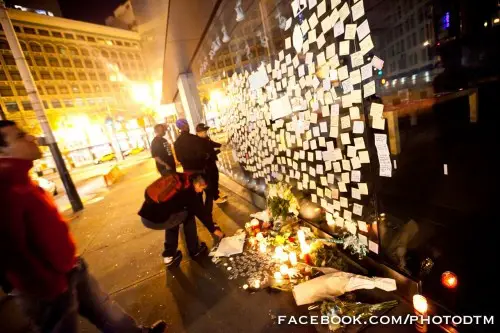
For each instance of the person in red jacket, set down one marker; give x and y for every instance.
(38, 254)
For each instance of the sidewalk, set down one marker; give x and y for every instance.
(126, 259)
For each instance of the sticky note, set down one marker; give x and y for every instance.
(356, 176)
(345, 122)
(366, 72)
(358, 10)
(369, 89)
(330, 50)
(338, 29)
(364, 157)
(323, 127)
(288, 43)
(345, 138)
(357, 59)
(363, 188)
(350, 31)
(343, 73)
(378, 123)
(376, 110)
(313, 21)
(359, 143)
(355, 193)
(377, 62)
(356, 164)
(363, 30)
(344, 47)
(366, 44)
(336, 167)
(342, 187)
(346, 165)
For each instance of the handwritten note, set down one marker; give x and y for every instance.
(363, 30)
(366, 72)
(369, 89)
(358, 10)
(358, 127)
(355, 76)
(350, 31)
(343, 73)
(357, 59)
(338, 29)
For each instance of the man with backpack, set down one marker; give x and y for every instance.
(171, 201)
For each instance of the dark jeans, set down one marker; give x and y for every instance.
(212, 190)
(190, 234)
(84, 297)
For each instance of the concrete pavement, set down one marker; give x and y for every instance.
(125, 257)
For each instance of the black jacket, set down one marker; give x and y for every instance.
(192, 152)
(186, 199)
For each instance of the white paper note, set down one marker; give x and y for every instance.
(338, 29)
(376, 110)
(356, 176)
(355, 193)
(344, 47)
(288, 43)
(366, 44)
(364, 157)
(345, 138)
(321, 41)
(363, 188)
(343, 73)
(358, 10)
(366, 72)
(356, 164)
(357, 59)
(369, 89)
(336, 167)
(378, 123)
(346, 165)
(321, 8)
(377, 62)
(344, 12)
(363, 30)
(355, 76)
(345, 122)
(347, 86)
(359, 143)
(350, 31)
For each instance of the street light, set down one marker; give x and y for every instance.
(426, 43)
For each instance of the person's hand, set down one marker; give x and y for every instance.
(219, 233)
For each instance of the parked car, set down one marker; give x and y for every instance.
(105, 158)
(133, 151)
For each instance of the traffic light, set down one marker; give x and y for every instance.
(380, 72)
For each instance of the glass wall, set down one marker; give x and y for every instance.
(427, 136)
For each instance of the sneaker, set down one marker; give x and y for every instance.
(158, 327)
(173, 261)
(221, 200)
(202, 249)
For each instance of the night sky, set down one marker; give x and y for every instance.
(94, 11)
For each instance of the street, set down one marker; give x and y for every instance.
(125, 257)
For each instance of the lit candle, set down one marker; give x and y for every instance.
(305, 248)
(256, 284)
(301, 236)
(262, 247)
(421, 307)
(284, 269)
(260, 236)
(255, 223)
(293, 258)
(284, 257)
(253, 241)
(278, 277)
(278, 251)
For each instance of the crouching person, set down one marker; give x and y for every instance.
(171, 201)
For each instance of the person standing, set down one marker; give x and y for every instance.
(191, 151)
(172, 201)
(161, 151)
(38, 255)
(212, 192)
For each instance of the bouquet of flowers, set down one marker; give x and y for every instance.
(339, 308)
(281, 202)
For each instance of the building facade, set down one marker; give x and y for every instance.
(404, 35)
(84, 74)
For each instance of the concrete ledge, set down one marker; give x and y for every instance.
(250, 196)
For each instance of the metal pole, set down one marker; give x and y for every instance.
(29, 84)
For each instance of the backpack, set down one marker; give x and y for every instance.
(164, 188)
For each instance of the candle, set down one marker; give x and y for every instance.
(252, 241)
(421, 307)
(255, 223)
(284, 257)
(278, 252)
(278, 277)
(293, 258)
(256, 284)
(262, 247)
(305, 248)
(301, 236)
(284, 269)
(260, 236)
